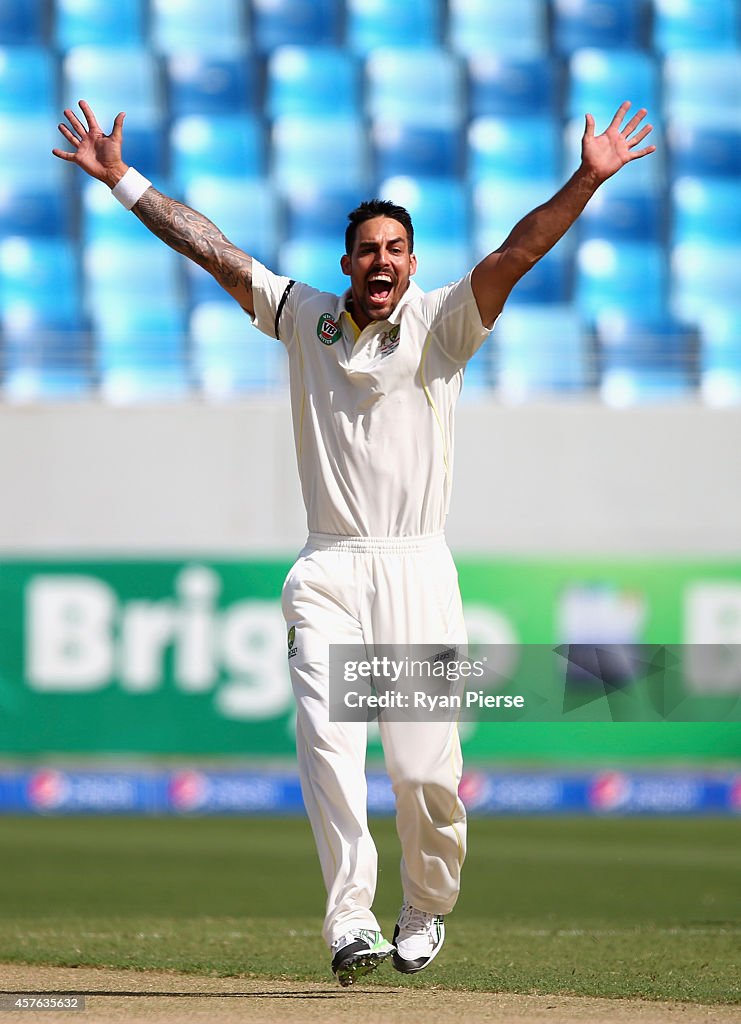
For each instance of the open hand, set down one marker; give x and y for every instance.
(97, 154)
(605, 154)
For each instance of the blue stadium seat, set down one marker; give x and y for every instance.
(706, 210)
(440, 263)
(98, 23)
(295, 23)
(145, 146)
(645, 359)
(44, 357)
(27, 81)
(599, 80)
(704, 275)
(141, 273)
(316, 263)
(620, 276)
(550, 280)
(217, 28)
(319, 81)
(540, 350)
(695, 25)
(246, 210)
(330, 152)
(720, 355)
(438, 207)
(415, 86)
(40, 275)
(113, 79)
(417, 150)
(498, 205)
(479, 372)
(497, 208)
(704, 150)
(140, 351)
(524, 148)
(314, 212)
(34, 209)
(372, 23)
(230, 356)
(621, 213)
(31, 163)
(229, 145)
(505, 86)
(23, 21)
(604, 24)
(703, 87)
(513, 29)
(205, 84)
(102, 220)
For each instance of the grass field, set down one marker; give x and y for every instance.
(632, 907)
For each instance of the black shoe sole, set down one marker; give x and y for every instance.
(357, 967)
(410, 966)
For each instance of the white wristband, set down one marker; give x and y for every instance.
(131, 188)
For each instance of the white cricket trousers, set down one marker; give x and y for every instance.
(365, 591)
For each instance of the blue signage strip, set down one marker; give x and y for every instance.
(198, 792)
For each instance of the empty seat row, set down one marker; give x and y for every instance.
(471, 26)
(258, 212)
(153, 354)
(424, 86)
(44, 280)
(342, 153)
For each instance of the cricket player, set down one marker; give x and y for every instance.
(374, 377)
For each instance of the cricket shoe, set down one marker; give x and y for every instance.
(358, 953)
(418, 938)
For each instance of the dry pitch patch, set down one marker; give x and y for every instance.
(157, 997)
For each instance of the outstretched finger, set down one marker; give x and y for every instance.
(75, 122)
(620, 113)
(642, 152)
(117, 132)
(634, 121)
(63, 154)
(589, 129)
(69, 136)
(92, 124)
(647, 128)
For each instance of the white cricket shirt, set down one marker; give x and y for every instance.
(373, 412)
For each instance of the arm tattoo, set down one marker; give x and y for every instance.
(196, 237)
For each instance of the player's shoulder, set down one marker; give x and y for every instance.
(445, 300)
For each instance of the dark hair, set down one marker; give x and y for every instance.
(377, 208)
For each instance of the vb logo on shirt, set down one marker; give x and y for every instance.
(327, 330)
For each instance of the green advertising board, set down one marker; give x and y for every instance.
(188, 658)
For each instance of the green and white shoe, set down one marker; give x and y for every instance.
(418, 938)
(358, 953)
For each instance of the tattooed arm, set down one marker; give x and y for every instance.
(196, 237)
(183, 229)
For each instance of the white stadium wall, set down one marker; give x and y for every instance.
(204, 479)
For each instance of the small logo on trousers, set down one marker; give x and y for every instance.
(292, 649)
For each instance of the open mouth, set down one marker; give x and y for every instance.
(379, 288)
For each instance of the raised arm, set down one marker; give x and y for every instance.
(601, 157)
(183, 229)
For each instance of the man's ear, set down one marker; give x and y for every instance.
(345, 264)
(412, 265)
